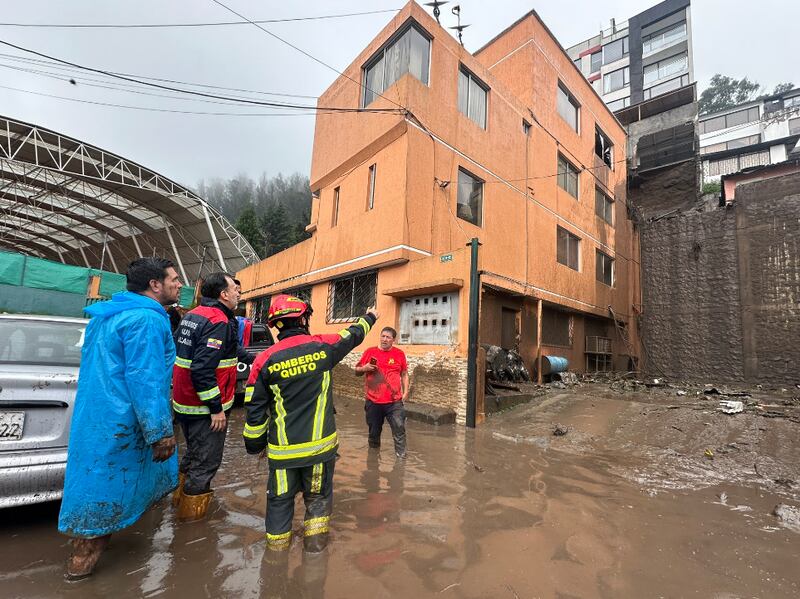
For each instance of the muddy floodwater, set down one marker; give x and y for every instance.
(644, 496)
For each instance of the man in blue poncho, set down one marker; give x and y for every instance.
(121, 457)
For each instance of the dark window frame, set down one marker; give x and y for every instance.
(475, 179)
(343, 305)
(573, 258)
(572, 101)
(604, 268)
(473, 81)
(604, 206)
(603, 147)
(564, 175)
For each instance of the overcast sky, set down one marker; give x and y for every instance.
(190, 147)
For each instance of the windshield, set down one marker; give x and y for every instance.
(41, 342)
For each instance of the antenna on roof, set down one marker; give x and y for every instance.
(436, 4)
(456, 10)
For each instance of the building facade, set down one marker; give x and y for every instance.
(511, 146)
(642, 58)
(753, 134)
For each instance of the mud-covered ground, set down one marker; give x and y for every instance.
(648, 494)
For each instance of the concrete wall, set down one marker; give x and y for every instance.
(721, 289)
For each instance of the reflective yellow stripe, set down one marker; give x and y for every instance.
(364, 325)
(254, 432)
(319, 414)
(344, 333)
(302, 450)
(316, 481)
(227, 363)
(248, 393)
(198, 410)
(181, 409)
(283, 535)
(316, 526)
(183, 362)
(281, 484)
(208, 394)
(280, 420)
(279, 541)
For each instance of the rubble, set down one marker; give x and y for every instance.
(559, 430)
(788, 516)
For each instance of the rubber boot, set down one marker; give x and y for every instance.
(315, 543)
(178, 492)
(85, 553)
(194, 507)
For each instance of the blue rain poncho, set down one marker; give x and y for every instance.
(122, 407)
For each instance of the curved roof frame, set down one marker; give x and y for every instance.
(65, 198)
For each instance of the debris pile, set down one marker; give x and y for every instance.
(504, 367)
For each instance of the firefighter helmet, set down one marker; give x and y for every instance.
(286, 306)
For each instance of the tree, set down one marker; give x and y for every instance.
(724, 92)
(782, 88)
(247, 224)
(277, 230)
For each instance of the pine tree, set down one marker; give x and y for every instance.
(247, 224)
(277, 230)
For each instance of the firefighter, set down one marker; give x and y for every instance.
(289, 402)
(204, 382)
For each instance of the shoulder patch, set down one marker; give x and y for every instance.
(214, 343)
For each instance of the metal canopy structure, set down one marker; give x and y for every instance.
(65, 200)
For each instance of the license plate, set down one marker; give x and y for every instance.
(11, 424)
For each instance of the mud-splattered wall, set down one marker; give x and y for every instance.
(437, 378)
(721, 289)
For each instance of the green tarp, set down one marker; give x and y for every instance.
(11, 267)
(110, 282)
(187, 295)
(44, 274)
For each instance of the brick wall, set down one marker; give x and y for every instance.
(721, 289)
(437, 378)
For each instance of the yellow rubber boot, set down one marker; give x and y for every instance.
(178, 492)
(194, 507)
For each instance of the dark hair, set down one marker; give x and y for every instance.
(238, 282)
(142, 271)
(389, 330)
(214, 284)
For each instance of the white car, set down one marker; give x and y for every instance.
(39, 361)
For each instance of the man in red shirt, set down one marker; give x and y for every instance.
(386, 387)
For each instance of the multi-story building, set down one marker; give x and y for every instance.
(753, 134)
(510, 145)
(646, 56)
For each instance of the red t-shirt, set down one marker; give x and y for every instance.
(385, 384)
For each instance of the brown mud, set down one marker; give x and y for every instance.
(646, 495)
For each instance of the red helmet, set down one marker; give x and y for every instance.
(286, 306)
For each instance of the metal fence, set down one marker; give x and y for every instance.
(349, 297)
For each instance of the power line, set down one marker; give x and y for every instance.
(191, 92)
(184, 25)
(56, 65)
(312, 111)
(304, 53)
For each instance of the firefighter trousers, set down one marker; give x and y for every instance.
(203, 454)
(316, 484)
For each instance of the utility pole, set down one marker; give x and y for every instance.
(472, 340)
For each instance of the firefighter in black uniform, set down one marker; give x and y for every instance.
(289, 402)
(204, 382)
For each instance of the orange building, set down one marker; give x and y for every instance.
(510, 145)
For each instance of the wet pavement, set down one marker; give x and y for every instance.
(623, 505)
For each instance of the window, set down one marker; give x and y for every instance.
(604, 268)
(567, 176)
(665, 68)
(794, 126)
(667, 86)
(303, 293)
(733, 164)
(598, 354)
(371, 187)
(615, 50)
(407, 53)
(603, 148)
(526, 127)
(793, 101)
(469, 198)
(567, 106)
(619, 104)
(335, 218)
(616, 80)
(349, 297)
(472, 97)
(557, 328)
(747, 115)
(603, 206)
(568, 248)
(665, 37)
(597, 62)
(741, 142)
(431, 322)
